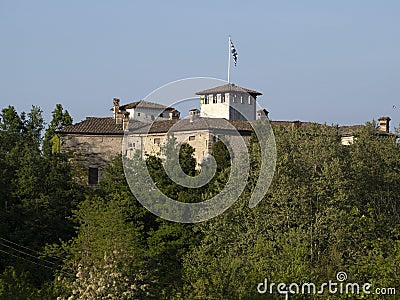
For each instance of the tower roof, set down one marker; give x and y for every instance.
(145, 104)
(230, 87)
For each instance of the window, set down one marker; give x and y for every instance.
(192, 138)
(209, 99)
(214, 98)
(131, 145)
(241, 99)
(249, 99)
(157, 141)
(138, 114)
(93, 175)
(152, 117)
(234, 99)
(222, 98)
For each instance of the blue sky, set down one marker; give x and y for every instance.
(323, 61)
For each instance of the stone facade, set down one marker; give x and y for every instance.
(91, 152)
(92, 143)
(229, 102)
(200, 133)
(151, 144)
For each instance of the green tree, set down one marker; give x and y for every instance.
(330, 208)
(221, 155)
(60, 119)
(37, 195)
(186, 159)
(16, 286)
(106, 259)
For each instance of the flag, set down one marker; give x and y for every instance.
(234, 52)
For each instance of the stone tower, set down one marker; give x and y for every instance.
(228, 101)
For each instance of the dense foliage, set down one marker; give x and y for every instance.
(330, 208)
(37, 195)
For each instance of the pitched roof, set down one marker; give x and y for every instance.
(107, 126)
(145, 104)
(185, 125)
(291, 123)
(349, 130)
(227, 88)
(93, 125)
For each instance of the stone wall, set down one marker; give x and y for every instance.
(201, 140)
(95, 151)
(151, 144)
(90, 151)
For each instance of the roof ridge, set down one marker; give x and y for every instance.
(228, 87)
(144, 103)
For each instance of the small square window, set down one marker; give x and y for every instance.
(138, 114)
(157, 141)
(131, 145)
(93, 175)
(192, 138)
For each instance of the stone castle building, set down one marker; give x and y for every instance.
(224, 110)
(95, 141)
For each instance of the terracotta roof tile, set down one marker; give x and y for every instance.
(228, 88)
(93, 125)
(186, 125)
(145, 104)
(103, 126)
(291, 123)
(349, 130)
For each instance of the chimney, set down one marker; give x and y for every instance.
(193, 113)
(296, 123)
(174, 114)
(125, 120)
(262, 114)
(116, 107)
(118, 115)
(384, 124)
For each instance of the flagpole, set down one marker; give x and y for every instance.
(229, 57)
